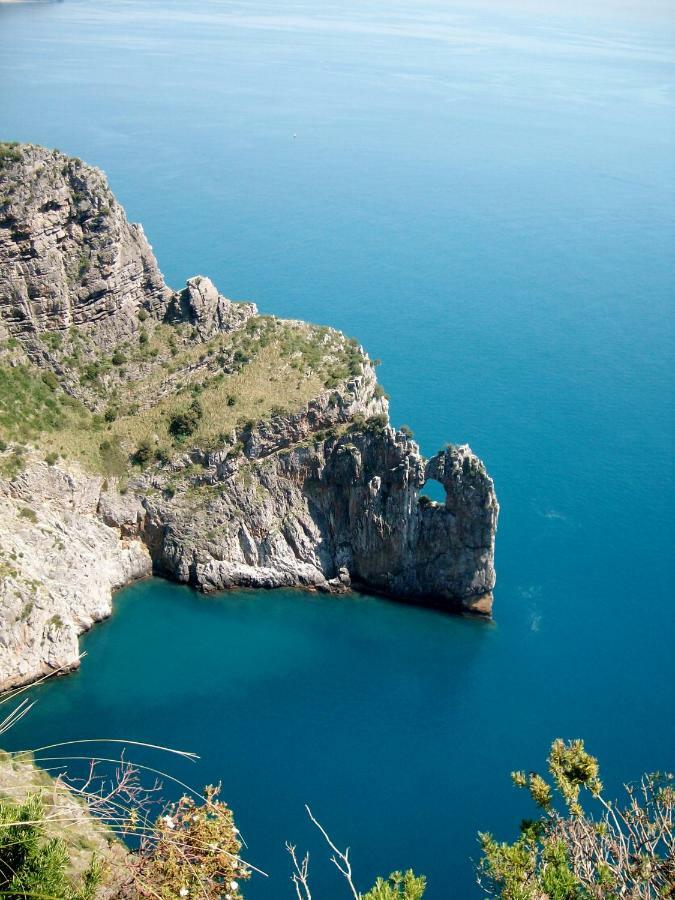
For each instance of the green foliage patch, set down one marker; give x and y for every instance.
(31, 404)
(33, 864)
(399, 886)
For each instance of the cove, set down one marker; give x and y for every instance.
(397, 725)
(484, 198)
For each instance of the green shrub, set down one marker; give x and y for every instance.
(377, 423)
(399, 886)
(27, 513)
(52, 339)
(33, 864)
(569, 854)
(194, 852)
(142, 314)
(406, 430)
(358, 423)
(182, 424)
(50, 379)
(51, 458)
(16, 463)
(118, 358)
(90, 371)
(143, 453)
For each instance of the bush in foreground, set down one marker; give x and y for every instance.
(32, 864)
(192, 849)
(568, 854)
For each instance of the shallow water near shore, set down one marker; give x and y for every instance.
(484, 196)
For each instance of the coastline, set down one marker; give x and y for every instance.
(181, 433)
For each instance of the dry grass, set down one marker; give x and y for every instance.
(268, 367)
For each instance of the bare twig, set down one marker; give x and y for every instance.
(300, 876)
(339, 859)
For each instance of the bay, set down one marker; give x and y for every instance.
(483, 195)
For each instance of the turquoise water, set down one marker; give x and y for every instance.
(483, 193)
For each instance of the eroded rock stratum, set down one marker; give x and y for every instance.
(144, 429)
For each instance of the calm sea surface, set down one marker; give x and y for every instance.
(483, 194)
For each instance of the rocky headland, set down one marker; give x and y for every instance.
(144, 430)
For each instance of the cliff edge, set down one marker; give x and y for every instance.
(145, 429)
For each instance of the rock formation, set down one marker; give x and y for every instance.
(59, 564)
(68, 256)
(309, 485)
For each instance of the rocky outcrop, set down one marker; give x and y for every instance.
(68, 255)
(325, 495)
(341, 511)
(61, 557)
(200, 304)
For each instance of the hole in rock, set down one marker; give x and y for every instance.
(432, 490)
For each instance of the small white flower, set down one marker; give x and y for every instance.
(168, 821)
(183, 892)
(234, 885)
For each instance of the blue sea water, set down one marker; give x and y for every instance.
(483, 193)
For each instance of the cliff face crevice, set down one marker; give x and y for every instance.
(147, 430)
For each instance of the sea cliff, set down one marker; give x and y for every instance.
(148, 430)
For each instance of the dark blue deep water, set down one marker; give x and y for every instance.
(483, 193)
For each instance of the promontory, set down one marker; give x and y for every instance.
(144, 429)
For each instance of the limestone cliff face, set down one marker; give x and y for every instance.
(333, 513)
(59, 564)
(324, 495)
(68, 256)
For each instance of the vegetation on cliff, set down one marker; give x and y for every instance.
(146, 429)
(99, 410)
(99, 359)
(34, 865)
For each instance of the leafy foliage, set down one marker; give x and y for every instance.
(566, 854)
(194, 852)
(399, 886)
(144, 452)
(33, 864)
(183, 424)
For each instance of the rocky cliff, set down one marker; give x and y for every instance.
(144, 429)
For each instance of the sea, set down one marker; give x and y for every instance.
(483, 193)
